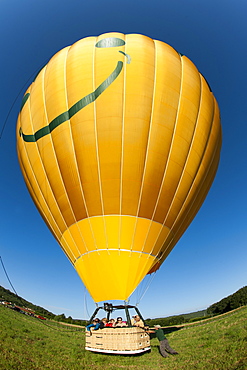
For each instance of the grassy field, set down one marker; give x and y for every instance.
(28, 343)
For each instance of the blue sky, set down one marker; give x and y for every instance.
(209, 261)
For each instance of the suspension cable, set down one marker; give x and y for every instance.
(85, 302)
(147, 287)
(4, 269)
(17, 96)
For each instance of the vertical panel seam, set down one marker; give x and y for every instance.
(202, 182)
(122, 149)
(140, 193)
(59, 170)
(188, 154)
(43, 90)
(38, 151)
(199, 166)
(171, 145)
(148, 143)
(74, 154)
(97, 148)
(212, 162)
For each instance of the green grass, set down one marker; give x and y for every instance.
(28, 343)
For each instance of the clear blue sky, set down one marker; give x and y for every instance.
(209, 262)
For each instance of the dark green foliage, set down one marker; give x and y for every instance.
(60, 317)
(6, 295)
(166, 321)
(80, 322)
(229, 303)
(178, 319)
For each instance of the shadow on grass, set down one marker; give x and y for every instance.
(166, 330)
(171, 329)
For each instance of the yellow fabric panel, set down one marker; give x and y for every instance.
(165, 102)
(32, 186)
(80, 83)
(112, 224)
(181, 225)
(165, 237)
(183, 133)
(99, 231)
(140, 234)
(53, 177)
(112, 275)
(35, 175)
(112, 232)
(86, 229)
(67, 250)
(55, 104)
(200, 188)
(87, 235)
(152, 235)
(201, 134)
(139, 84)
(37, 112)
(108, 113)
(65, 159)
(54, 84)
(36, 117)
(127, 230)
(57, 92)
(73, 243)
(79, 75)
(56, 225)
(194, 200)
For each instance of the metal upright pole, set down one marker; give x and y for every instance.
(127, 315)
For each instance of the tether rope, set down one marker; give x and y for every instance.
(4, 269)
(147, 287)
(17, 96)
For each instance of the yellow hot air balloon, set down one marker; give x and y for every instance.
(119, 140)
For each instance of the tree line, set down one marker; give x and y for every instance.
(229, 303)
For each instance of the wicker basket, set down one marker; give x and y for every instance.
(120, 340)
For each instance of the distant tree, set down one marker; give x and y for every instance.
(229, 303)
(80, 322)
(61, 317)
(69, 320)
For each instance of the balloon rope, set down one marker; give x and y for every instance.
(17, 96)
(147, 287)
(85, 302)
(8, 276)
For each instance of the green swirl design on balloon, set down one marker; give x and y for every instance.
(86, 100)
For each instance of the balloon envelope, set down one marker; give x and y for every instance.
(118, 139)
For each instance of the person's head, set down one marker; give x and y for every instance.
(119, 319)
(156, 327)
(112, 320)
(137, 318)
(104, 320)
(96, 320)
